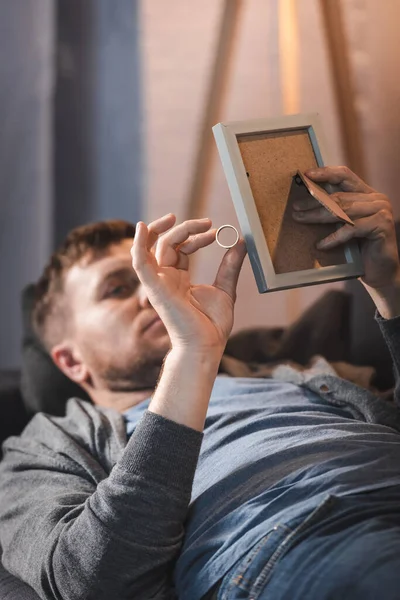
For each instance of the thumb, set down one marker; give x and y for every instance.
(229, 269)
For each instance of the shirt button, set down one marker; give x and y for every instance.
(323, 388)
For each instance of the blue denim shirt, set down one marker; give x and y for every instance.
(272, 453)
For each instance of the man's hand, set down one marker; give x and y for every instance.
(197, 317)
(373, 219)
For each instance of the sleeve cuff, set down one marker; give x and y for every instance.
(381, 320)
(166, 450)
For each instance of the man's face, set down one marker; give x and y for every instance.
(119, 336)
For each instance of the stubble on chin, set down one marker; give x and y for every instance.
(142, 372)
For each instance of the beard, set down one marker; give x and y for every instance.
(141, 376)
(141, 372)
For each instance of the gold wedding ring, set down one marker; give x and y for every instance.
(227, 227)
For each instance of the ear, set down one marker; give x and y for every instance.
(68, 360)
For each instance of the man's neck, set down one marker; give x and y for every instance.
(119, 401)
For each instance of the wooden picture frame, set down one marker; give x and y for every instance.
(260, 159)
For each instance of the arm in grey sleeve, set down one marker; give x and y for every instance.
(72, 538)
(390, 329)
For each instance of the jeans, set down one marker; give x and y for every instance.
(347, 549)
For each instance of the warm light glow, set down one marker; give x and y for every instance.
(290, 91)
(289, 56)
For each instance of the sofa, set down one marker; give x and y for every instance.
(342, 325)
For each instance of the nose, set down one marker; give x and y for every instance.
(144, 302)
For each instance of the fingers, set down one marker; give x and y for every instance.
(344, 234)
(158, 227)
(142, 260)
(181, 232)
(306, 204)
(173, 244)
(343, 176)
(195, 242)
(372, 227)
(167, 251)
(229, 269)
(354, 209)
(317, 215)
(343, 199)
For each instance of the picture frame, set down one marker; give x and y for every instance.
(260, 159)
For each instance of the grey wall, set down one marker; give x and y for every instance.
(70, 135)
(98, 113)
(26, 81)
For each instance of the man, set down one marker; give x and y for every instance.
(292, 491)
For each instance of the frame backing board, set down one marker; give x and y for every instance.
(260, 159)
(269, 159)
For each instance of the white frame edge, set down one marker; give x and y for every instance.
(267, 280)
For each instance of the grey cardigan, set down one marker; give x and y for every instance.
(86, 514)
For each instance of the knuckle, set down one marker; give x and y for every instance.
(389, 206)
(344, 169)
(159, 251)
(162, 243)
(379, 197)
(340, 201)
(386, 215)
(380, 234)
(135, 260)
(188, 225)
(382, 199)
(136, 265)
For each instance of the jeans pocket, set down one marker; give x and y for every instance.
(237, 583)
(249, 576)
(298, 528)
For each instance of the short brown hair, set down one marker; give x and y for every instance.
(49, 313)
